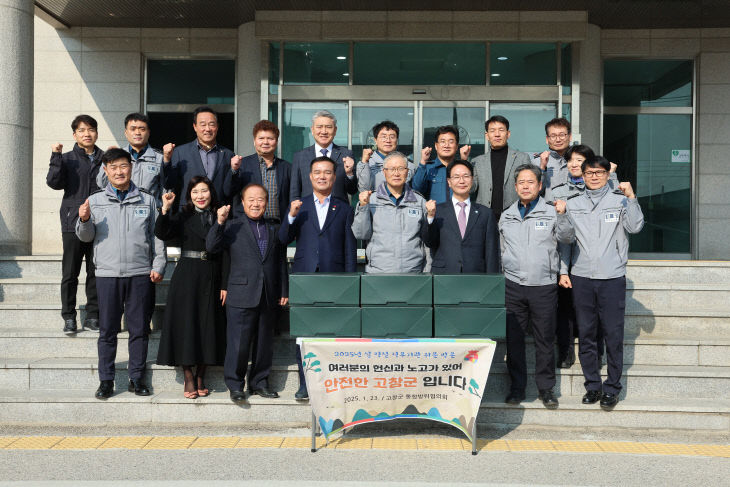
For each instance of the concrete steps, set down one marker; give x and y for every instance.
(677, 357)
(79, 408)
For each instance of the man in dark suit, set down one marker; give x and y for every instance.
(324, 129)
(263, 168)
(201, 157)
(322, 226)
(463, 235)
(493, 185)
(258, 284)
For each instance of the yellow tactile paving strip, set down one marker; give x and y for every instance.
(351, 443)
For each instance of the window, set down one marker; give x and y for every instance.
(403, 63)
(316, 63)
(522, 64)
(653, 149)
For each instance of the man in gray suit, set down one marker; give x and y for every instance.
(493, 187)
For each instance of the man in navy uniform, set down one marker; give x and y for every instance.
(463, 235)
(322, 226)
(120, 221)
(602, 218)
(258, 285)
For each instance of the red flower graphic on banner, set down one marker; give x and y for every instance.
(472, 356)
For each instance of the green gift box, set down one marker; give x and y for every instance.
(468, 289)
(320, 321)
(469, 322)
(396, 289)
(397, 322)
(320, 289)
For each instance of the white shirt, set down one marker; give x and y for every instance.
(457, 208)
(318, 150)
(321, 211)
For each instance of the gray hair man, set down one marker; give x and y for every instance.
(530, 230)
(395, 220)
(324, 129)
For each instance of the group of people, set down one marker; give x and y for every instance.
(555, 223)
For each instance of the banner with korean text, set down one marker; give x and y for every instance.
(359, 380)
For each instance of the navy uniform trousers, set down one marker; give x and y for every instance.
(74, 250)
(600, 305)
(128, 296)
(525, 305)
(246, 327)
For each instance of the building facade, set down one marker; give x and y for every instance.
(654, 100)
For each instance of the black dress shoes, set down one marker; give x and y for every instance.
(69, 327)
(91, 324)
(265, 392)
(105, 390)
(238, 396)
(591, 397)
(138, 387)
(548, 399)
(609, 401)
(514, 398)
(302, 394)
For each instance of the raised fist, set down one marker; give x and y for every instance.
(236, 163)
(544, 158)
(85, 211)
(167, 152)
(626, 189)
(167, 199)
(365, 197)
(614, 166)
(57, 148)
(425, 155)
(349, 165)
(560, 206)
(366, 154)
(296, 205)
(223, 214)
(431, 208)
(464, 152)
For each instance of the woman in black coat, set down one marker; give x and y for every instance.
(194, 327)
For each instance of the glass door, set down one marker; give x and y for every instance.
(468, 116)
(365, 115)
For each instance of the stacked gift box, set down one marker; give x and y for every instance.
(397, 305)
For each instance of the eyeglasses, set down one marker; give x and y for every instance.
(558, 136)
(387, 137)
(84, 131)
(590, 174)
(396, 170)
(465, 177)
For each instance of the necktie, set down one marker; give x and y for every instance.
(462, 217)
(324, 152)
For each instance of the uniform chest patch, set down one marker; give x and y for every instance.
(541, 225)
(152, 169)
(610, 217)
(141, 212)
(414, 212)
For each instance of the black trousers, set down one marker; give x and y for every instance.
(74, 251)
(247, 327)
(525, 304)
(128, 296)
(600, 304)
(566, 322)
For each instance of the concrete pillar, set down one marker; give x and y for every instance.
(248, 87)
(16, 126)
(590, 88)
